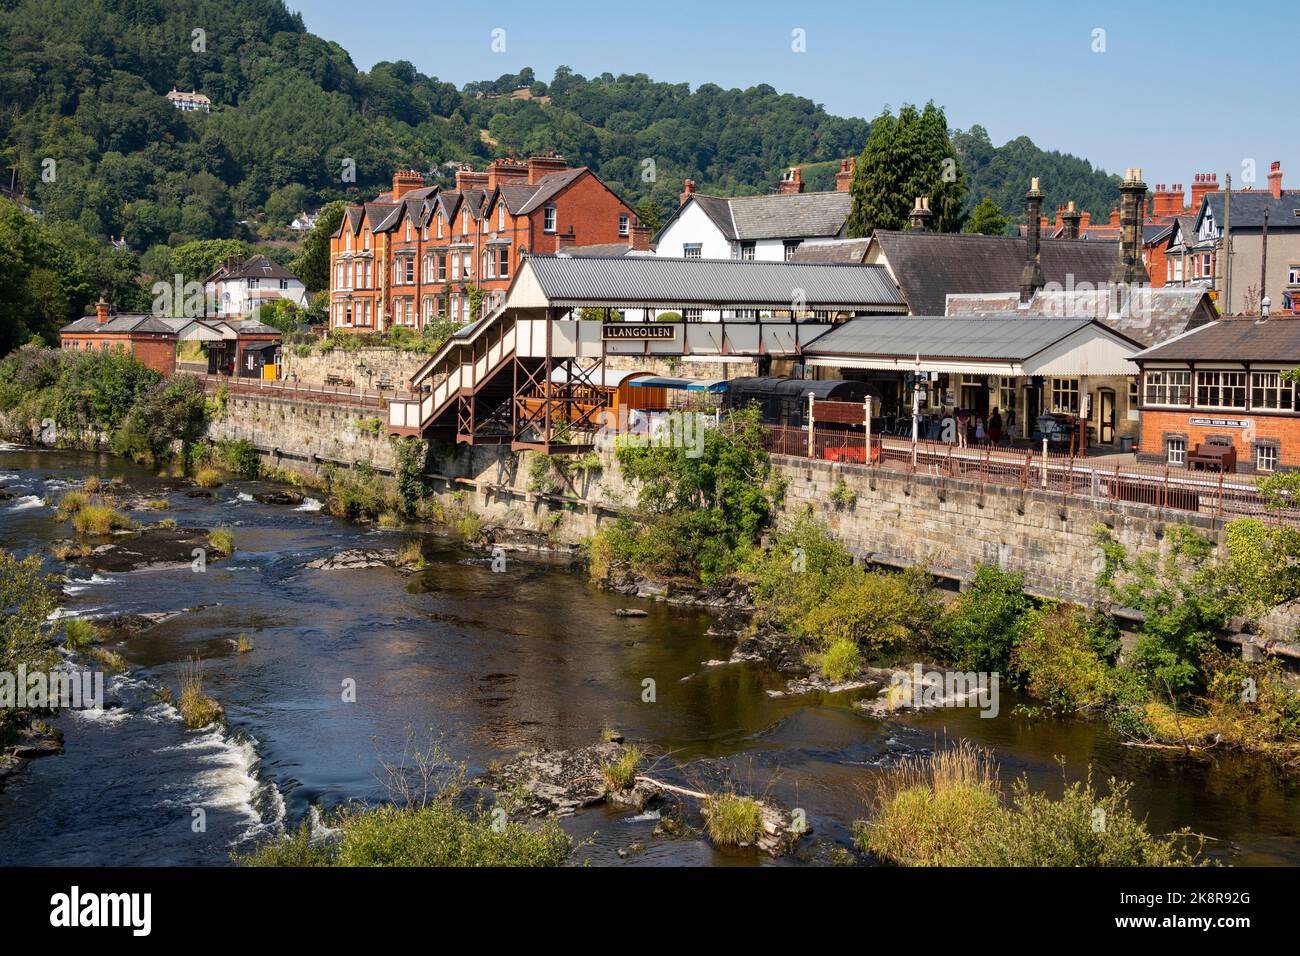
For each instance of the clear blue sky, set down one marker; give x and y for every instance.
(1180, 88)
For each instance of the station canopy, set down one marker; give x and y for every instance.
(1008, 345)
(662, 283)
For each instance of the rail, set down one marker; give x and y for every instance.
(1221, 495)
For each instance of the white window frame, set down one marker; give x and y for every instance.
(549, 219)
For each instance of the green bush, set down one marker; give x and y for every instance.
(28, 597)
(878, 610)
(698, 516)
(239, 457)
(438, 833)
(172, 410)
(1058, 660)
(841, 660)
(977, 630)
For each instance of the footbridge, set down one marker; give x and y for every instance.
(531, 373)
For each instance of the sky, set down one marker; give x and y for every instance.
(1175, 89)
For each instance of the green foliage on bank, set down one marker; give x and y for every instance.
(697, 516)
(947, 809)
(28, 597)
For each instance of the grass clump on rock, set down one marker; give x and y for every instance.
(620, 774)
(222, 540)
(733, 820)
(197, 708)
(208, 478)
(100, 519)
(79, 633)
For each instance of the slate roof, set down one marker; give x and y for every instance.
(254, 267)
(122, 323)
(835, 250)
(1003, 337)
(1248, 208)
(548, 187)
(931, 265)
(1235, 340)
(713, 282)
(779, 216)
(1148, 316)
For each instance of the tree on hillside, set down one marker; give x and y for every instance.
(313, 263)
(907, 156)
(987, 219)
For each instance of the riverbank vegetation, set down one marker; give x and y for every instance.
(434, 818)
(98, 400)
(28, 598)
(947, 808)
(697, 516)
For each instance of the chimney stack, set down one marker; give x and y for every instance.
(1031, 279)
(1275, 179)
(1203, 183)
(102, 311)
(688, 190)
(921, 216)
(1130, 270)
(501, 171)
(791, 182)
(467, 178)
(1070, 221)
(641, 237)
(543, 165)
(844, 178)
(1167, 201)
(404, 181)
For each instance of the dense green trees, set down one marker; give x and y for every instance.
(91, 139)
(1002, 174)
(987, 219)
(907, 156)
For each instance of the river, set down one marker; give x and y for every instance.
(488, 663)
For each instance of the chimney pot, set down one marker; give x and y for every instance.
(688, 190)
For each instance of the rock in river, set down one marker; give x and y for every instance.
(355, 558)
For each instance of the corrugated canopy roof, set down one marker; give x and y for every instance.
(649, 280)
(1004, 338)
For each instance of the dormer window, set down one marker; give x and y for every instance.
(347, 240)
(501, 216)
(439, 225)
(408, 230)
(464, 222)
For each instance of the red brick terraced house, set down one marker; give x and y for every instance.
(1222, 383)
(411, 257)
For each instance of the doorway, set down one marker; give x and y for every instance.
(1106, 416)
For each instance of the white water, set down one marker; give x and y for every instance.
(26, 502)
(309, 504)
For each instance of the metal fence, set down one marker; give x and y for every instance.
(1218, 494)
(296, 391)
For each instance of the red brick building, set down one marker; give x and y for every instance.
(413, 255)
(1223, 383)
(151, 340)
(230, 347)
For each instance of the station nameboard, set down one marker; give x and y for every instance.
(1221, 422)
(637, 331)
